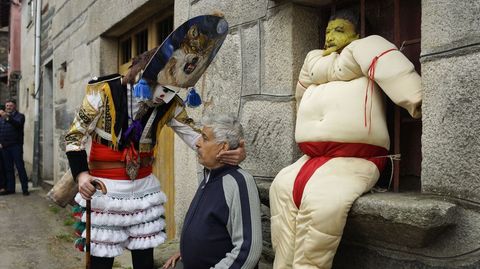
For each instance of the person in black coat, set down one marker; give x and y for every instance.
(11, 145)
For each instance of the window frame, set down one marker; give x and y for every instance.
(151, 25)
(31, 13)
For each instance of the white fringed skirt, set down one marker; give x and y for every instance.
(129, 216)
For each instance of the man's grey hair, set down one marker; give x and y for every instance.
(225, 128)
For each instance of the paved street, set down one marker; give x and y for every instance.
(36, 234)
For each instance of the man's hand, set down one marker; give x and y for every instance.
(233, 157)
(3, 114)
(172, 261)
(85, 187)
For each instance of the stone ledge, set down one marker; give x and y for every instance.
(313, 3)
(404, 219)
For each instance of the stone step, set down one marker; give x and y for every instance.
(405, 219)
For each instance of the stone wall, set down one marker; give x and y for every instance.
(79, 53)
(4, 46)
(253, 76)
(450, 59)
(4, 62)
(25, 102)
(450, 65)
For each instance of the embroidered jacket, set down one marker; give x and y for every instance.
(104, 114)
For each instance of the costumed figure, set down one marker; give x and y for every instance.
(122, 115)
(341, 128)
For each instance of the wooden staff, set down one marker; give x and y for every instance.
(100, 186)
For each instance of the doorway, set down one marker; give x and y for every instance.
(46, 124)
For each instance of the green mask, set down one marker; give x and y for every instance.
(340, 33)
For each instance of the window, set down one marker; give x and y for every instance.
(126, 51)
(164, 28)
(142, 41)
(145, 36)
(31, 13)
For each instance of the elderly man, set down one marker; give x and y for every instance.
(222, 228)
(342, 129)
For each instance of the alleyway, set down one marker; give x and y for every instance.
(36, 234)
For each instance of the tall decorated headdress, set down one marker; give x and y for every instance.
(182, 58)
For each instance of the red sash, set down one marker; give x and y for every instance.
(322, 152)
(99, 152)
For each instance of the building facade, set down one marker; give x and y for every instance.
(433, 225)
(10, 56)
(4, 39)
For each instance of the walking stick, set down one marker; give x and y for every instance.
(100, 186)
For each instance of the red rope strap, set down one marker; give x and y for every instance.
(371, 85)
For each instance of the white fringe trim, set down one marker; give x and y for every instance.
(107, 236)
(101, 250)
(111, 219)
(114, 245)
(115, 236)
(147, 242)
(106, 203)
(148, 228)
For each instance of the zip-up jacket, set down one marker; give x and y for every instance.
(222, 228)
(11, 129)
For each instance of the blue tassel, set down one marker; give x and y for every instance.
(141, 90)
(193, 98)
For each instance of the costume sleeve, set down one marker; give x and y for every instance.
(244, 222)
(184, 126)
(315, 71)
(83, 124)
(393, 72)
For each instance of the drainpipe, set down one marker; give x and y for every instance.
(36, 125)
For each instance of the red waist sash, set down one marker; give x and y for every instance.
(120, 173)
(322, 152)
(99, 152)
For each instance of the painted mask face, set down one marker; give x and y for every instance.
(339, 34)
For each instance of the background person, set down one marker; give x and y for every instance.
(11, 144)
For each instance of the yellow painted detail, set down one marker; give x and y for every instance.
(339, 33)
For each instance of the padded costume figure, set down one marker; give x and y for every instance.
(341, 128)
